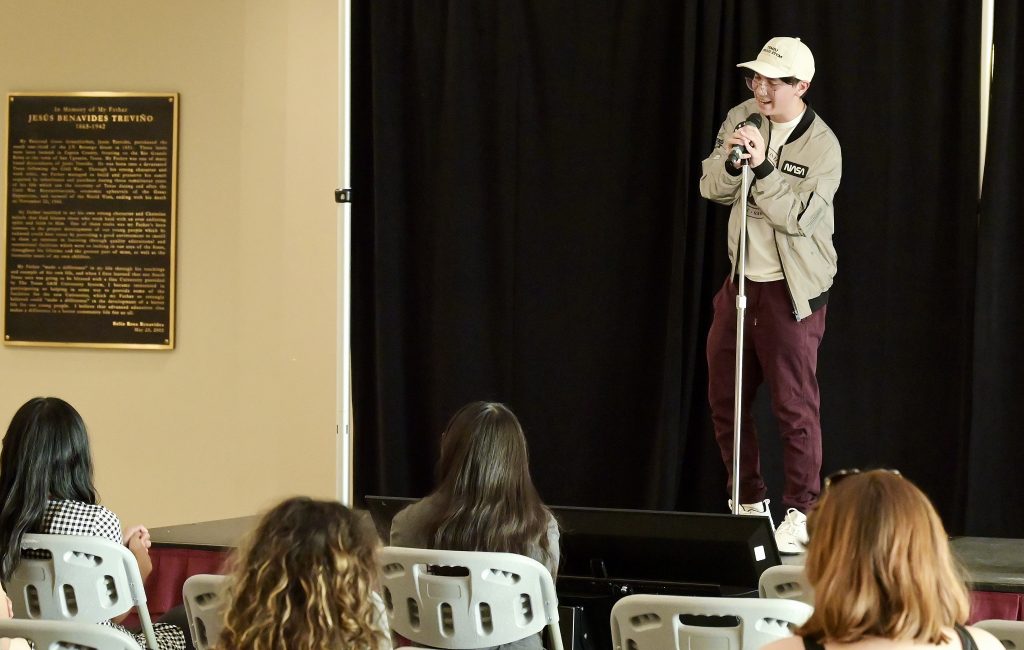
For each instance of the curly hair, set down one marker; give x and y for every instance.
(305, 581)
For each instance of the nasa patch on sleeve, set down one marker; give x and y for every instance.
(794, 169)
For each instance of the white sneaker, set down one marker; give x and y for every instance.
(791, 537)
(760, 509)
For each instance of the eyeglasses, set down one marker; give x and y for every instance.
(836, 477)
(770, 85)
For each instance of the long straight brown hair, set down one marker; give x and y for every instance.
(486, 500)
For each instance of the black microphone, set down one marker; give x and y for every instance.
(754, 120)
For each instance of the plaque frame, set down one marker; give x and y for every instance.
(104, 98)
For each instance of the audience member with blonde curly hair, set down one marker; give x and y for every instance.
(883, 574)
(305, 582)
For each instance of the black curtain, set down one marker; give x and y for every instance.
(996, 490)
(527, 228)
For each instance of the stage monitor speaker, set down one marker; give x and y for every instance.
(723, 551)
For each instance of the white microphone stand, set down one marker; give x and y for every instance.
(741, 308)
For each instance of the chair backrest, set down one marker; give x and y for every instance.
(655, 622)
(1009, 633)
(467, 599)
(204, 596)
(85, 579)
(786, 581)
(58, 635)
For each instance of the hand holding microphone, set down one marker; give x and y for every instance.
(747, 142)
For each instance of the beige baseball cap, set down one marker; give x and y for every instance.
(781, 57)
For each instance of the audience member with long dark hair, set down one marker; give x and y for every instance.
(485, 499)
(883, 574)
(46, 486)
(305, 581)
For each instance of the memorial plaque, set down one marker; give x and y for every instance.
(91, 183)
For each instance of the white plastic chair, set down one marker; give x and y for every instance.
(655, 622)
(86, 580)
(58, 635)
(1009, 633)
(786, 581)
(204, 596)
(467, 599)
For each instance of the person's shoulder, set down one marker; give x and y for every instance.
(69, 517)
(984, 639)
(106, 524)
(827, 137)
(822, 132)
(741, 111)
(416, 509)
(407, 524)
(553, 527)
(105, 515)
(788, 643)
(80, 510)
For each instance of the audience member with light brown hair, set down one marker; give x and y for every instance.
(305, 581)
(485, 499)
(883, 574)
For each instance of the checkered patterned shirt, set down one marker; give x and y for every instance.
(78, 518)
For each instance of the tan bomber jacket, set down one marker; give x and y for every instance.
(795, 197)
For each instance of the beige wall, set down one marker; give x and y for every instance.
(242, 412)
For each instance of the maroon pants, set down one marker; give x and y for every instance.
(779, 350)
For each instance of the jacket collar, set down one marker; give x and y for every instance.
(805, 123)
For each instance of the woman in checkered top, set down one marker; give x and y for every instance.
(46, 486)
